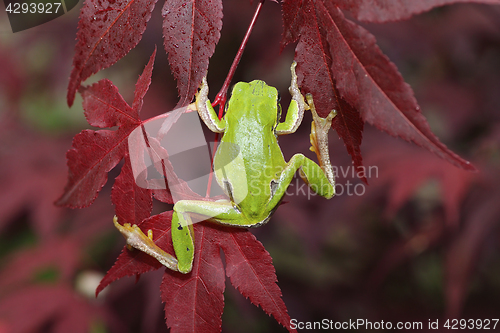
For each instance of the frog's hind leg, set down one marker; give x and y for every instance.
(137, 239)
(222, 212)
(310, 172)
(319, 138)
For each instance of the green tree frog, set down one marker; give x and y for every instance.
(256, 184)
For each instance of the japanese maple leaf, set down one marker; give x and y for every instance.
(340, 64)
(191, 29)
(133, 203)
(194, 302)
(393, 10)
(109, 29)
(95, 153)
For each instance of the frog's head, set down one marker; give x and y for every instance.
(256, 100)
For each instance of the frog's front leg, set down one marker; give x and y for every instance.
(295, 112)
(206, 111)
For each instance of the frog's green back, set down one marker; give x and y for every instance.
(250, 119)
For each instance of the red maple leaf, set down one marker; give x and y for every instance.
(339, 60)
(133, 203)
(95, 153)
(194, 302)
(191, 29)
(108, 30)
(393, 10)
(349, 127)
(250, 269)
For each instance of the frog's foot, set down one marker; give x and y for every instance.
(202, 94)
(295, 90)
(319, 138)
(296, 108)
(205, 110)
(138, 240)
